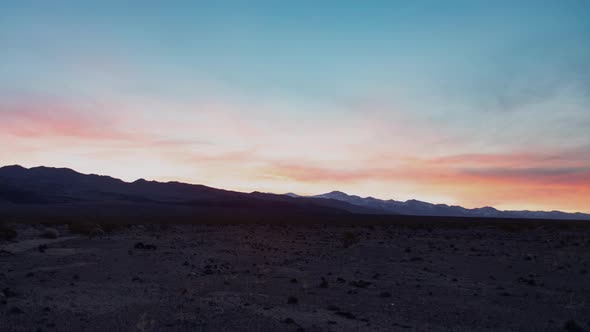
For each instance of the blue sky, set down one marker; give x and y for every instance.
(360, 88)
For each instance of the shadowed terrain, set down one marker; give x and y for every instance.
(93, 253)
(423, 276)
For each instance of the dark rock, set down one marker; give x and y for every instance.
(572, 326)
(15, 310)
(360, 283)
(9, 293)
(346, 314)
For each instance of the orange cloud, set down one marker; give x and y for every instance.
(52, 118)
(219, 146)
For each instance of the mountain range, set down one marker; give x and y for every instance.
(419, 208)
(63, 192)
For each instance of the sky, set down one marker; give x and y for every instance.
(475, 103)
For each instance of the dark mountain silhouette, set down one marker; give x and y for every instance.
(62, 186)
(419, 208)
(64, 193)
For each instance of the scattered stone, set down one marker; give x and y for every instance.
(528, 281)
(141, 245)
(385, 294)
(346, 314)
(360, 283)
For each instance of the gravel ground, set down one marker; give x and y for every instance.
(290, 278)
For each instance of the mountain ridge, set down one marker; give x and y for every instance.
(50, 185)
(416, 207)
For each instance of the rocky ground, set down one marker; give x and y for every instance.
(290, 278)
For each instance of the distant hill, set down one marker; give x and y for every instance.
(419, 208)
(41, 192)
(65, 192)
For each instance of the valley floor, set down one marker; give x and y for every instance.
(289, 278)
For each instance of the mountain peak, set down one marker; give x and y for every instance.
(62, 170)
(12, 168)
(336, 193)
(15, 166)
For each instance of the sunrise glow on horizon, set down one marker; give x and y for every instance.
(461, 102)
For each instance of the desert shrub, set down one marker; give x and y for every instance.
(110, 227)
(97, 231)
(50, 233)
(82, 228)
(572, 326)
(349, 239)
(141, 245)
(7, 233)
(157, 227)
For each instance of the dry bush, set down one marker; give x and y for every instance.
(50, 233)
(157, 227)
(7, 233)
(82, 228)
(349, 239)
(110, 227)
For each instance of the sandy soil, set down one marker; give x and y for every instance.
(289, 278)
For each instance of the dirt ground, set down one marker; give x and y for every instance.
(296, 278)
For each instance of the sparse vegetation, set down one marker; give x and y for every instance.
(141, 245)
(350, 239)
(572, 326)
(7, 233)
(82, 228)
(50, 233)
